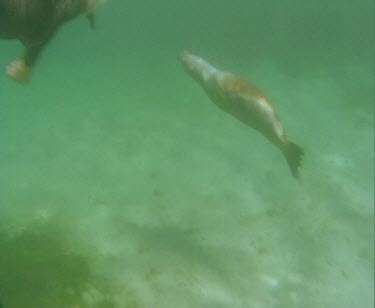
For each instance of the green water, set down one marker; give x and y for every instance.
(122, 185)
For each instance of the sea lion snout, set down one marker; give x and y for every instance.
(184, 55)
(189, 61)
(192, 62)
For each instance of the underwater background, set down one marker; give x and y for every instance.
(123, 185)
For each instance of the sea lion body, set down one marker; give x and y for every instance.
(243, 100)
(34, 23)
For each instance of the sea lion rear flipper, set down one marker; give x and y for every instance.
(293, 154)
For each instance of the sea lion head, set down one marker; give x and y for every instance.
(197, 67)
(192, 64)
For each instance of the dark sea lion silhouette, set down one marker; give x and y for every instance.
(34, 23)
(243, 100)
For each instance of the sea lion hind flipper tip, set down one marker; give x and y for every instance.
(293, 154)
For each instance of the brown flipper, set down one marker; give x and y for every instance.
(293, 154)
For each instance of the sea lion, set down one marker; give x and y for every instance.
(243, 100)
(34, 23)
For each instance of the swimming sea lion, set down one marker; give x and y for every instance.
(238, 97)
(34, 23)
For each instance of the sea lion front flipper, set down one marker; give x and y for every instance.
(19, 71)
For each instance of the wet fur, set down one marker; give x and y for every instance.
(35, 22)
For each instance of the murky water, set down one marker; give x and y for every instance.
(123, 185)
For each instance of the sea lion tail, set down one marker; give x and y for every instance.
(293, 154)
